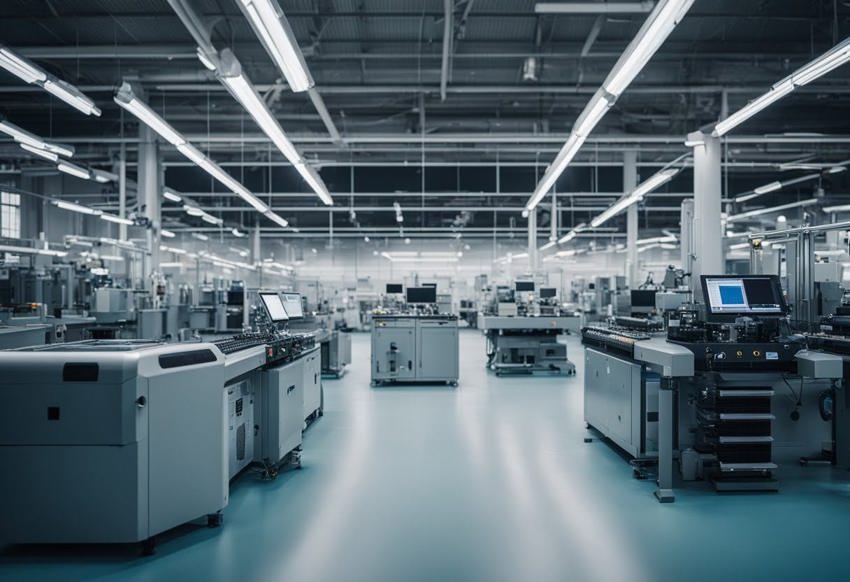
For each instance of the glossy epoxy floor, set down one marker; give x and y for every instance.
(487, 482)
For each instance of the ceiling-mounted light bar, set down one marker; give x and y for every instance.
(640, 7)
(635, 195)
(655, 30)
(33, 74)
(773, 187)
(762, 211)
(657, 240)
(74, 207)
(832, 59)
(167, 233)
(230, 74)
(171, 195)
(32, 251)
(126, 98)
(22, 136)
(200, 236)
(40, 152)
(116, 219)
(573, 233)
(275, 34)
(74, 170)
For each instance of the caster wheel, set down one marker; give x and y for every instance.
(639, 475)
(320, 413)
(149, 547)
(214, 520)
(588, 440)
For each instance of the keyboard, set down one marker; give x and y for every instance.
(244, 341)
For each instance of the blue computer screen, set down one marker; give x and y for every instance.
(731, 295)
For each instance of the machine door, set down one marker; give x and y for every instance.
(620, 398)
(394, 352)
(438, 350)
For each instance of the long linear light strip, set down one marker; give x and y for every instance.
(762, 211)
(47, 155)
(774, 186)
(31, 74)
(31, 251)
(832, 59)
(22, 136)
(655, 30)
(635, 195)
(126, 98)
(593, 7)
(572, 233)
(271, 26)
(231, 75)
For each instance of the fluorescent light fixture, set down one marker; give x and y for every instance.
(277, 37)
(657, 239)
(170, 265)
(167, 233)
(74, 170)
(21, 67)
(211, 219)
(71, 95)
(74, 207)
(116, 258)
(39, 152)
(200, 236)
(655, 30)
(22, 136)
(739, 246)
(836, 169)
(242, 90)
(814, 69)
(33, 74)
(573, 233)
(172, 195)
(593, 7)
(102, 176)
(762, 211)
(193, 210)
(547, 246)
(116, 219)
(281, 221)
(839, 208)
(235, 231)
(126, 98)
(32, 251)
(772, 187)
(635, 195)
(694, 139)
(175, 250)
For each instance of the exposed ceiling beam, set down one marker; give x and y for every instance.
(448, 39)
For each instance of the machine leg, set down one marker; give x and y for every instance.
(149, 546)
(215, 519)
(664, 490)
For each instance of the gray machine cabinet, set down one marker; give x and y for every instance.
(240, 425)
(394, 349)
(621, 402)
(110, 442)
(279, 412)
(312, 382)
(437, 352)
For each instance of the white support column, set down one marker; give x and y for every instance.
(256, 256)
(532, 241)
(122, 192)
(707, 231)
(149, 192)
(630, 182)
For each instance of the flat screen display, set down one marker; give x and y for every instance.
(733, 295)
(292, 303)
(643, 298)
(421, 294)
(393, 288)
(548, 292)
(274, 306)
(434, 285)
(525, 286)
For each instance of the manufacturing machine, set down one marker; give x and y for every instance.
(110, 441)
(418, 345)
(528, 344)
(750, 403)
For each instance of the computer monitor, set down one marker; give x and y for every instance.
(292, 303)
(731, 296)
(643, 298)
(274, 307)
(434, 285)
(422, 294)
(394, 288)
(524, 286)
(548, 292)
